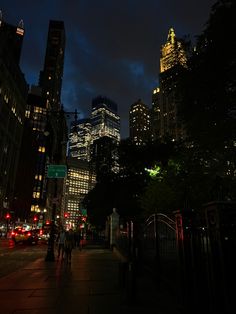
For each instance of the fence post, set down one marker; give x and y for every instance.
(157, 249)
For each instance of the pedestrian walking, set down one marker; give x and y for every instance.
(69, 245)
(77, 235)
(61, 243)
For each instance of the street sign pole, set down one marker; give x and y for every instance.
(54, 172)
(50, 251)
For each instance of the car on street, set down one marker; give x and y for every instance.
(24, 236)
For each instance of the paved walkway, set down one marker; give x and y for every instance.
(91, 284)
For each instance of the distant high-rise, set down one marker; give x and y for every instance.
(155, 115)
(105, 120)
(80, 139)
(36, 117)
(80, 180)
(172, 62)
(51, 77)
(50, 81)
(172, 53)
(13, 94)
(105, 135)
(139, 123)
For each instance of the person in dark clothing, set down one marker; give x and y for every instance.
(69, 245)
(61, 244)
(77, 239)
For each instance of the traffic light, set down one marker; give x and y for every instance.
(8, 216)
(35, 218)
(66, 215)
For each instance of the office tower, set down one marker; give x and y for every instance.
(13, 94)
(172, 53)
(155, 115)
(139, 123)
(105, 158)
(172, 62)
(80, 180)
(104, 119)
(50, 81)
(105, 135)
(51, 76)
(80, 139)
(36, 117)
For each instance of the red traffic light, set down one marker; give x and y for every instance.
(66, 215)
(8, 216)
(35, 218)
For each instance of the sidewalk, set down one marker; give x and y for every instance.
(90, 285)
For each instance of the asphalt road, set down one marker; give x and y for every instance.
(13, 257)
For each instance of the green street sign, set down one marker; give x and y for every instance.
(57, 171)
(83, 211)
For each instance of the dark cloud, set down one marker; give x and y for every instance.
(112, 46)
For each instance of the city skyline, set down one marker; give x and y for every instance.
(112, 49)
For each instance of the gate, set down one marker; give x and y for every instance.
(160, 252)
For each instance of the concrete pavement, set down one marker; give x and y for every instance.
(91, 284)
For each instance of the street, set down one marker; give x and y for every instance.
(13, 257)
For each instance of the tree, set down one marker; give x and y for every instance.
(207, 91)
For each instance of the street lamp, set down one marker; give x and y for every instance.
(54, 172)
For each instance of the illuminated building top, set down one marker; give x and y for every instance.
(105, 120)
(20, 28)
(172, 53)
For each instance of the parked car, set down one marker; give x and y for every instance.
(23, 236)
(43, 235)
(32, 237)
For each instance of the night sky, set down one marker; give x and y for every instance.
(112, 46)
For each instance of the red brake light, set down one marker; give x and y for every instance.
(29, 234)
(13, 233)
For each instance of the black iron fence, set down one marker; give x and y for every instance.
(192, 253)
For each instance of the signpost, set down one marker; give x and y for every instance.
(57, 171)
(54, 172)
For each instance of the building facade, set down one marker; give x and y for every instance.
(172, 61)
(51, 83)
(80, 180)
(80, 139)
(139, 123)
(155, 115)
(13, 95)
(105, 119)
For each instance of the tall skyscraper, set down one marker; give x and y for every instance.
(80, 139)
(155, 115)
(36, 117)
(80, 180)
(13, 94)
(51, 76)
(139, 123)
(105, 136)
(172, 62)
(104, 119)
(96, 139)
(172, 53)
(50, 81)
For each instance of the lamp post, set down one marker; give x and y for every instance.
(8, 217)
(50, 251)
(55, 171)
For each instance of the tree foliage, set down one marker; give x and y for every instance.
(208, 98)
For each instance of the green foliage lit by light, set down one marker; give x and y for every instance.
(158, 172)
(154, 172)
